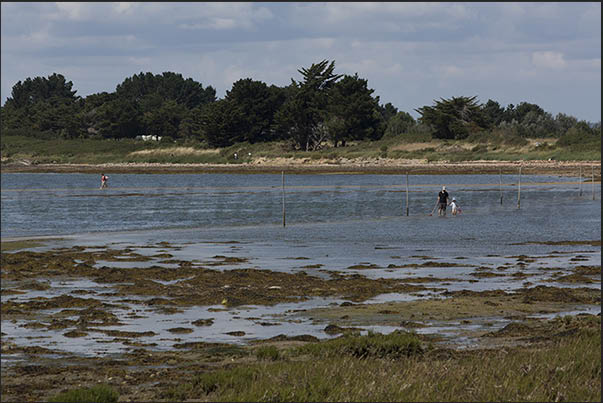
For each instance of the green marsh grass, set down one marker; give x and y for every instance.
(568, 369)
(394, 345)
(267, 353)
(94, 394)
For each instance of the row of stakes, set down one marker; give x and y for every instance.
(501, 194)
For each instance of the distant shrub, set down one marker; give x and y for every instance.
(481, 137)
(500, 136)
(544, 147)
(394, 345)
(398, 124)
(480, 148)
(514, 141)
(94, 394)
(27, 132)
(417, 134)
(577, 139)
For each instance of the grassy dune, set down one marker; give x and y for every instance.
(91, 151)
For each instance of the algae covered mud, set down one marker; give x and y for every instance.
(164, 275)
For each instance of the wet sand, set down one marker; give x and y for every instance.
(307, 166)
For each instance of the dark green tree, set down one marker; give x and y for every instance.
(453, 118)
(120, 118)
(256, 105)
(164, 101)
(60, 118)
(165, 120)
(302, 117)
(40, 89)
(564, 122)
(43, 104)
(353, 113)
(217, 122)
(388, 111)
(493, 113)
(90, 114)
(524, 108)
(400, 123)
(152, 90)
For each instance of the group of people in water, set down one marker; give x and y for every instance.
(442, 203)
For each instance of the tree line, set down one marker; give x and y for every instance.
(322, 107)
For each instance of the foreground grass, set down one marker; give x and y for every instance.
(395, 369)
(95, 394)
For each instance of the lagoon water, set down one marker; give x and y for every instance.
(67, 204)
(336, 221)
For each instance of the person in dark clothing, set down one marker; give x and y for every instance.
(442, 201)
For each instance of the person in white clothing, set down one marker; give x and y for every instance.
(455, 207)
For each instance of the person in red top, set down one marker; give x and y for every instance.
(104, 179)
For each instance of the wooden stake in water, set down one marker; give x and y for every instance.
(283, 180)
(500, 186)
(580, 181)
(407, 194)
(519, 189)
(593, 179)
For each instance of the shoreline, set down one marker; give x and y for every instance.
(377, 166)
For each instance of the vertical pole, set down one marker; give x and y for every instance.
(283, 180)
(580, 181)
(592, 167)
(500, 186)
(407, 194)
(519, 190)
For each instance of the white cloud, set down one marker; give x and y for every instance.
(73, 11)
(549, 60)
(194, 15)
(450, 70)
(212, 23)
(208, 15)
(355, 18)
(335, 12)
(123, 7)
(140, 61)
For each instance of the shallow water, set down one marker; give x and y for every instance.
(62, 204)
(335, 221)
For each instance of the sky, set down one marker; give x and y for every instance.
(410, 53)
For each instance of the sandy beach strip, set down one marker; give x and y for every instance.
(297, 166)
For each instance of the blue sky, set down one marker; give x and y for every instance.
(410, 53)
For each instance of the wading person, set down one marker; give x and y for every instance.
(104, 179)
(456, 209)
(442, 201)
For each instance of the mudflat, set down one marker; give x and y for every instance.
(147, 371)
